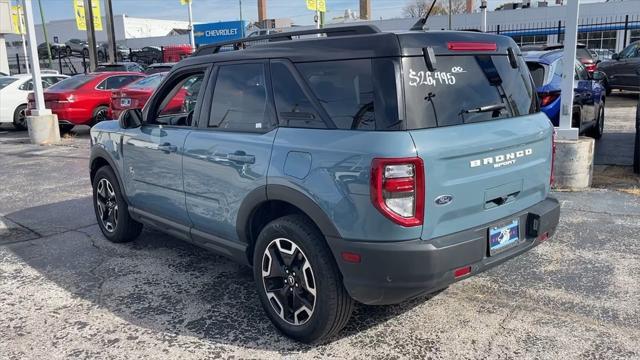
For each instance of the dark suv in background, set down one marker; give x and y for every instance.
(360, 166)
(623, 70)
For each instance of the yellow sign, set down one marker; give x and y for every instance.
(184, 2)
(17, 19)
(81, 21)
(321, 5)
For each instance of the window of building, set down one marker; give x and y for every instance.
(598, 39)
(530, 39)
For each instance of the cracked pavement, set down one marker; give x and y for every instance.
(65, 292)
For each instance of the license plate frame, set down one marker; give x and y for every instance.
(125, 102)
(503, 236)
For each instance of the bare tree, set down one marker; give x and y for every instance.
(419, 8)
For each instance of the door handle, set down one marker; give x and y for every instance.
(167, 148)
(247, 159)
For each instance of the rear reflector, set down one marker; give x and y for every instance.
(462, 271)
(543, 237)
(471, 46)
(351, 257)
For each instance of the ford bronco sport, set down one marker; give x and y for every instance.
(360, 165)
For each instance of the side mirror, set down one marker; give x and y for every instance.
(615, 56)
(598, 75)
(130, 119)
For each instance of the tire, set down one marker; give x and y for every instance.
(101, 56)
(111, 210)
(598, 129)
(65, 128)
(54, 53)
(312, 271)
(20, 118)
(68, 51)
(85, 52)
(99, 114)
(134, 58)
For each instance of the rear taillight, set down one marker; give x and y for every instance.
(471, 46)
(548, 98)
(590, 67)
(397, 189)
(553, 157)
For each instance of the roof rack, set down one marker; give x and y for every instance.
(239, 44)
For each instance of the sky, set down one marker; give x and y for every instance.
(222, 10)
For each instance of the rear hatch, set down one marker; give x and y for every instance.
(475, 121)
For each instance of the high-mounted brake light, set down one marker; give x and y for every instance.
(471, 46)
(397, 189)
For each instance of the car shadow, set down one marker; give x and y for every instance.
(160, 283)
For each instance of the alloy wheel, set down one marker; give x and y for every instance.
(101, 115)
(107, 205)
(601, 120)
(22, 118)
(289, 281)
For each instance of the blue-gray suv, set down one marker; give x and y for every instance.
(358, 165)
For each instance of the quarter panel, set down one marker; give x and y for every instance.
(338, 179)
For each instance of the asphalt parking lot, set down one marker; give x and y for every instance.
(67, 292)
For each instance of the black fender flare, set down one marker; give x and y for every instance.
(100, 153)
(286, 194)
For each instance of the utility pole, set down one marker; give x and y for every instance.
(111, 33)
(483, 7)
(317, 17)
(91, 35)
(449, 14)
(44, 31)
(42, 125)
(242, 24)
(191, 38)
(21, 17)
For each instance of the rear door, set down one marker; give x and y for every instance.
(486, 147)
(228, 156)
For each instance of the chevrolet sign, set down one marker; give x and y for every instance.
(210, 33)
(501, 160)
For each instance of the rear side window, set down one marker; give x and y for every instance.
(465, 89)
(583, 53)
(116, 82)
(537, 71)
(240, 99)
(345, 90)
(292, 105)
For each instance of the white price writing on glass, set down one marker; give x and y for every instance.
(433, 78)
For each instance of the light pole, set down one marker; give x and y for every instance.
(483, 7)
(449, 14)
(191, 37)
(21, 16)
(44, 31)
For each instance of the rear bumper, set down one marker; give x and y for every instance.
(391, 272)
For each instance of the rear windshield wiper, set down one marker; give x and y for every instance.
(487, 108)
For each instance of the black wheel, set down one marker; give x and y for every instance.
(598, 128)
(54, 53)
(101, 56)
(155, 61)
(20, 118)
(85, 52)
(111, 209)
(299, 284)
(65, 128)
(134, 58)
(68, 50)
(119, 57)
(100, 114)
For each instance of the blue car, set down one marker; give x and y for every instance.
(589, 92)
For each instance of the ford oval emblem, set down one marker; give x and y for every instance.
(443, 199)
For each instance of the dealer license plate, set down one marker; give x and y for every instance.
(504, 236)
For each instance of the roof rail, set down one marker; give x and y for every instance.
(239, 44)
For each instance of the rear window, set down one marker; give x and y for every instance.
(106, 68)
(537, 72)
(583, 53)
(72, 83)
(465, 89)
(6, 81)
(150, 82)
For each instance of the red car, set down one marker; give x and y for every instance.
(134, 95)
(84, 99)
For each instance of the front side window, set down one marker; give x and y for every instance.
(177, 107)
(630, 51)
(293, 107)
(240, 99)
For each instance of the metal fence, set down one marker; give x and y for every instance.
(77, 63)
(597, 33)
